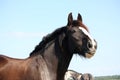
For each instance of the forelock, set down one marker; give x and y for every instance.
(79, 24)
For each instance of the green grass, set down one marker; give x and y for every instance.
(114, 77)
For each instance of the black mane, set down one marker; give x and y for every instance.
(47, 39)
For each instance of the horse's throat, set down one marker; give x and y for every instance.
(64, 58)
(63, 66)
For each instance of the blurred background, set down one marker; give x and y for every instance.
(23, 23)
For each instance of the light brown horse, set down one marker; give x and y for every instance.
(73, 75)
(51, 57)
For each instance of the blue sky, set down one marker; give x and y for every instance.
(23, 23)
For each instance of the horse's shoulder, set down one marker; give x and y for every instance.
(3, 60)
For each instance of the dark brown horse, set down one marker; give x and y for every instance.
(51, 58)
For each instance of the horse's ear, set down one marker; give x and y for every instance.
(70, 19)
(79, 18)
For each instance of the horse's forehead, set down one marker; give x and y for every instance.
(77, 23)
(84, 27)
(85, 32)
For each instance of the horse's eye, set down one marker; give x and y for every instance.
(73, 31)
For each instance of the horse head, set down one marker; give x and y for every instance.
(79, 39)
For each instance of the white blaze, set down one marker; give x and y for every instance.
(88, 34)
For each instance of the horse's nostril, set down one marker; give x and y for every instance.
(89, 45)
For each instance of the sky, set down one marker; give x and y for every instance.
(23, 23)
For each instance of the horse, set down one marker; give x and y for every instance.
(73, 75)
(87, 76)
(51, 57)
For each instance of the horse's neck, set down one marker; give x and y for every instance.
(51, 60)
(56, 59)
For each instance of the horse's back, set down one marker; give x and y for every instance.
(12, 68)
(3, 60)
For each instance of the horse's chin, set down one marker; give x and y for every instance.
(85, 54)
(89, 55)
